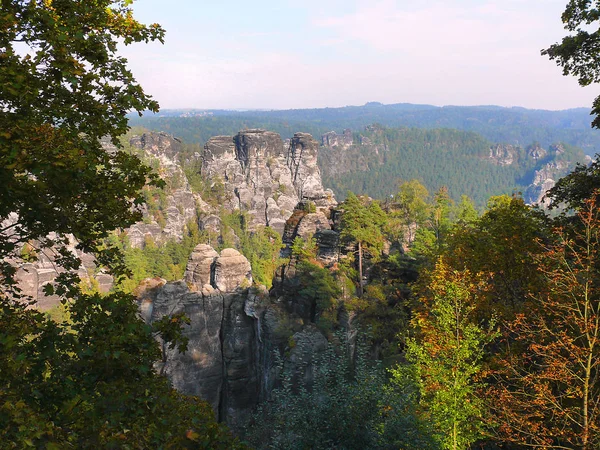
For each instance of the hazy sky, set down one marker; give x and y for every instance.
(316, 53)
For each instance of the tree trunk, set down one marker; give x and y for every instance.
(360, 270)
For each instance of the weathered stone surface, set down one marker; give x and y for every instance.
(545, 178)
(181, 202)
(332, 139)
(231, 271)
(233, 334)
(199, 266)
(140, 232)
(33, 277)
(311, 223)
(503, 154)
(329, 246)
(265, 177)
(221, 364)
(306, 176)
(307, 343)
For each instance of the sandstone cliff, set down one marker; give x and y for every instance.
(180, 203)
(264, 177)
(234, 331)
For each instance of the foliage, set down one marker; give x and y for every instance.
(496, 124)
(88, 381)
(411, 207)
(578, 53)
(361, 225)
(547, 390)
(261, 246)
(166, 261)
(448, 353)
(346, 407)
(318, 289)
(465, 212)
(65, 89)
(573, 190)
(436, 157)
(502, 244)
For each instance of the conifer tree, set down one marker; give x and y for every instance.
(362, 225)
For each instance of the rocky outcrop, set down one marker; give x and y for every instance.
(342, 141)
(544, 179)
(233, 333)
(548, 174)
(180, 203)
(504, 154)
(221, 364)
(262, 176)
(33, 277)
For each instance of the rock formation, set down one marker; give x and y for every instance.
(546, 176)
(263, 177)
(504, 154)
(180, 203)
(234, 331)
(332, 139)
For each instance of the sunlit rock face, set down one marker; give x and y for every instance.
(221, 363)
(264, 176)
(180, 202)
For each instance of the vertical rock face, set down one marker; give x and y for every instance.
(503, 154)
(548, 174)
(180, 207)
(306, 176)
(263, 177)
(33, 277)
(544, 180)
(221, 364)
(233, 333)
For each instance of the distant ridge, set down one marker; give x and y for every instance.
(510, 125)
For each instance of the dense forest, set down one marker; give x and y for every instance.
(459, 160)
(442, 327)
(516, 126)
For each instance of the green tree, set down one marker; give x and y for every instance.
(448, 355)
(440, 215)
(65, 88)
(465, 211)
(362, 225)
(87, 382)
(350, 406)
(502, 243)
(410, 204)
(578, 53)
(547, 390)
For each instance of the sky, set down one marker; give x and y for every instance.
(282, 54)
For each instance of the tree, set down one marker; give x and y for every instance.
(411, 205)
(503, 244)
(350, 405)
(578, 54)
(440, 215)
(466, 213)
(87, 382)
(575, 189)
(448, 354)
(548, 387)
(65, 88)
(362, 225)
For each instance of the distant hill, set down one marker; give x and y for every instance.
(515, 126)
(374, 160)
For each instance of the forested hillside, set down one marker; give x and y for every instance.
(464, 162)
